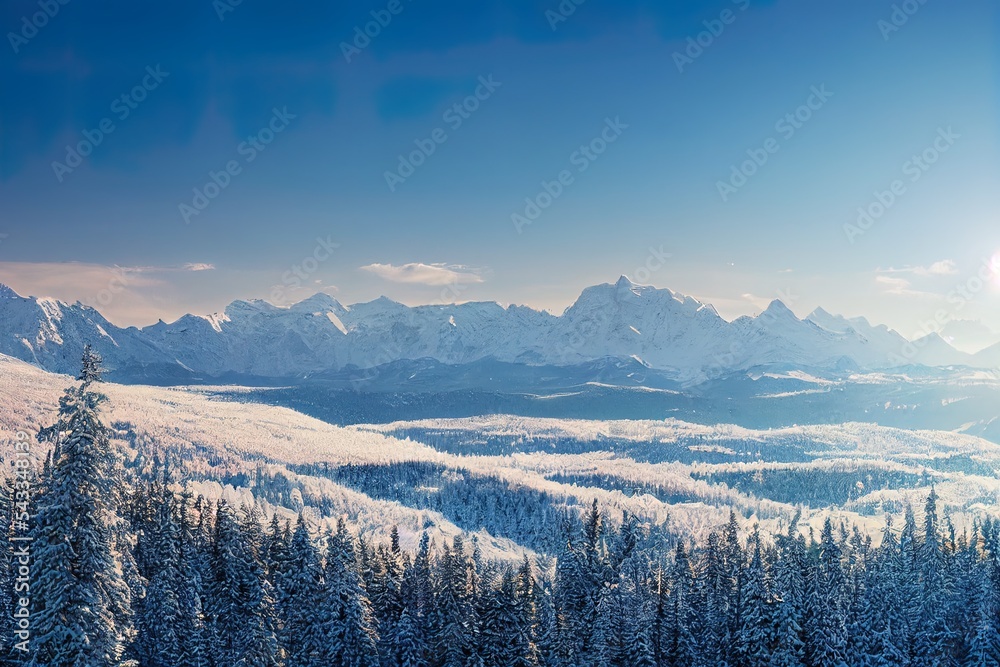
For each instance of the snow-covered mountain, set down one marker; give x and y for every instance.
(657, 328)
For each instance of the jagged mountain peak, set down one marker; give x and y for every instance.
(319, 302)
(778, 309)
(663, 329)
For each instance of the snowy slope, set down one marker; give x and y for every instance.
(663, 471)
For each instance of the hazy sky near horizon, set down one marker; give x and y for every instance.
(732, 170)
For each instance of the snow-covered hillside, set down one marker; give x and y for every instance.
(503, 478)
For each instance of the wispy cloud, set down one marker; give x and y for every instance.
(901, 287)
(945, 267)
(198, 267)
(417, 273)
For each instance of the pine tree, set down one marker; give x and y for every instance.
(756, 621)
(931, 641)
(828, 631)
(82, 612)
(300, 585)
(191, 630)
(638, 647)
(525, 629)
(160, 615)
(386, 591)
(676, 593)
(452, 616)
(546, 629)
(606, 648)
(498, 646)
(788, 601)
(351, 625)
(241, 609)
(407, 646)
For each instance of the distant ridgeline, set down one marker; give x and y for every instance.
(124, 570)
(622, 333)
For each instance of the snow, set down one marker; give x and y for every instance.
(667, 330)
(337, 323)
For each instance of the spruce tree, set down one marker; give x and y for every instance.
(160, 644)
(241, 609)
(351, 626)
(300, 586)
(82, 605)
(191, 629)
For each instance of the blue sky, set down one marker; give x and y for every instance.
(308, 135)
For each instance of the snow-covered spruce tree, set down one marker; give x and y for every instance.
(674, 592)
(932, 638)
(351, 626)
(828, 630)
(82, 606)
(240, 606)
(606, 648)
(452, 615)
(714, 592)
(499, 623)
(407, 646)
(755, 638)
(386, 592)
(789, 593)
(299, 586)
(545, 633)
(159, 640)
(526, 603)
(191, 629)
(638, 645)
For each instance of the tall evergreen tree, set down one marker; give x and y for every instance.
(351, 624)
(82, 606)
(160, 612)
(241, 608)
(300, 585)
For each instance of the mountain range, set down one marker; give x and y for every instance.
(683, 338)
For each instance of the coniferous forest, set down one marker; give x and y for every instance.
(129, 571)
